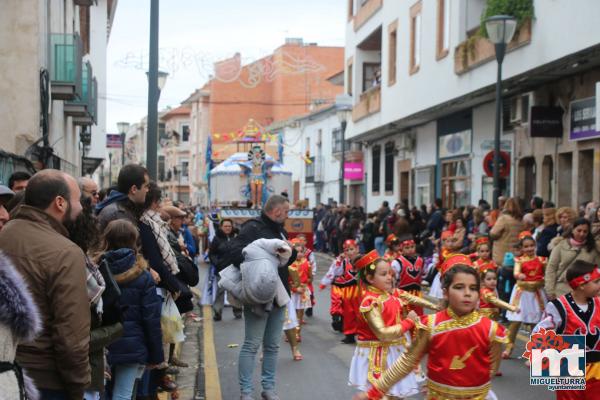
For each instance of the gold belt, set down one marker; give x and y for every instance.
(531, 286)
(439, 391)
(375, 343)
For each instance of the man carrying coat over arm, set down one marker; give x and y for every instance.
(265, 330)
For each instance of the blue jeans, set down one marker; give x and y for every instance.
(266, 330)
(49, 394)
(380, 245)
(125, 376)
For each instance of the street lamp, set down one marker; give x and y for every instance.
(123, 127)
(160, 77)
(501, 29)
(343, 108)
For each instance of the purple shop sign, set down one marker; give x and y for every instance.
(113, 141)
(354, 171)
(583, 119)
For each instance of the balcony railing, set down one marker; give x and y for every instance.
(79, 107)
(368, 103)
(89, 117)
(65, 66)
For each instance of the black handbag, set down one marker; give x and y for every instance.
(111, 297)
(188, 271)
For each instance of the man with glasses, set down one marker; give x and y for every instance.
(89, 189)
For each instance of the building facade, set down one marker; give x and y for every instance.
(423, 78)
(56, 54)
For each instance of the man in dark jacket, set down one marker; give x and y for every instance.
(132, 187)
(265, 330)
(217, 250)
(436, 221)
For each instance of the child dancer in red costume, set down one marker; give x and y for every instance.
(528, 294)
(409, 270)
(578, 313)
(345, 293)
(393, 248)
(463, 346)
(310, 256)
(484, 260)
(382, 328)
(302, 272)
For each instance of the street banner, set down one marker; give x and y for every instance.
(354, 171)
(113, 141)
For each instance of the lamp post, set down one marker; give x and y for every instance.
(123, 127)
(109, 168)
(343, 107)
(501, 29)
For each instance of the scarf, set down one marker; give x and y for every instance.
(159, 229)
(94, 283)
(576, 243)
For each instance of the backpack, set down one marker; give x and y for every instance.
(111, 298)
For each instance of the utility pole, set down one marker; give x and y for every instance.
(152, 137)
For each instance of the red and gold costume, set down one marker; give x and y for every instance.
(490, 304)
(390, 255)
(345, 292)
(533, 269)
(485, 265)
(463, 354)
(382, 334)
(302, 269)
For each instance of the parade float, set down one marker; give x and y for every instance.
(245, 168)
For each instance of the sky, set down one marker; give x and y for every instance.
(193, 34)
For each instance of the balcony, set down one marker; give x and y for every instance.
(478, 50)
(65, 66)
(83, 109)
(368, 103)
(367, 9)
(91, 115)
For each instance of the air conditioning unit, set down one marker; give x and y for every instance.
(519, 108)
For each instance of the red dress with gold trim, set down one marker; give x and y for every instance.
(484, 265)
(382, 336)
(528, 294)
(409, 274)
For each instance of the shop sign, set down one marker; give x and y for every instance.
(354, 171)
(583, 119)
(455, 144)
(546, 122)
(113, 141)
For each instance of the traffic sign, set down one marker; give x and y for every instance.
(488, 164)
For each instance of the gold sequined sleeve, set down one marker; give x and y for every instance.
(407, 362)
(377, 325)
(418, 301)
(490, 298)
(517, 270)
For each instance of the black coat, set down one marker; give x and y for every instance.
(218, 249)
(259, 228)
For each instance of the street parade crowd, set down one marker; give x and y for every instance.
(95, 288)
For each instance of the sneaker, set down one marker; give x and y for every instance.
(216, 316)
(269, 395)
(178, 363)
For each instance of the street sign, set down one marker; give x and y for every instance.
(488, 164)
(113, 141)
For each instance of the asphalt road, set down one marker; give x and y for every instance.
(323, 373)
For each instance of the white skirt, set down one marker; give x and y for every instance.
(436, 287)
(291, 321)
(301, 300)
(359, 369)
(530, 310)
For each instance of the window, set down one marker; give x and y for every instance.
(185, 133)
(423, 186)
(443, 29)
(336, 137)
(392, 53)
(389, 166)
(376, 168)
(371, 75)
(415, 38)
(310, 171)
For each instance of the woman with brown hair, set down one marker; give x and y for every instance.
(505, 232)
